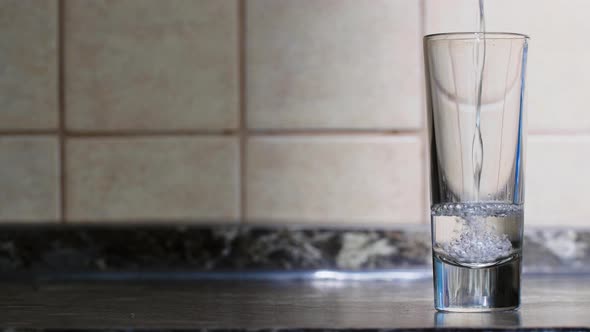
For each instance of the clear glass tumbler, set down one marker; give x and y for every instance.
(475, 84)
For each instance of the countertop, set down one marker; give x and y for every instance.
(548, 301)
(36, 249)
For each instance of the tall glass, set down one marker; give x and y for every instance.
(475, 84)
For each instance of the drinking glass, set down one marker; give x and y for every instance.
(476, 117)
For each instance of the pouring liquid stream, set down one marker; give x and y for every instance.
(477, 153)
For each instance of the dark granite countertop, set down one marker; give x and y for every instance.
(547, 302)
(60, 250)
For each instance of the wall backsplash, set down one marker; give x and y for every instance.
(261, 111)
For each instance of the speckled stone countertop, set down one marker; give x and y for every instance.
(55, 250)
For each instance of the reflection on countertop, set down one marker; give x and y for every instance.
(548, 302)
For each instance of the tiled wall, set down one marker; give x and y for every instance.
(261, 111)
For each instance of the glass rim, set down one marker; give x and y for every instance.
(469, 35)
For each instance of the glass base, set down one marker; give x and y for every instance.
(462, 289)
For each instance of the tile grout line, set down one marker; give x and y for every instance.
(243, 129)
(251, 132)
(149, 133)
(333, 132)
(247, 132)
(29, 132)
(61, 110)
(424, 109)
(422, 9)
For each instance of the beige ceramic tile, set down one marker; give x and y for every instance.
(28, 64)
(558, 71)
(29, 179)
(159, 179)
(151, 64)
(326, 180)
(334, 64)
(557, 181)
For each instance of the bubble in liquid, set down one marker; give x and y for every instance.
(478, 243)
(476, 239)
